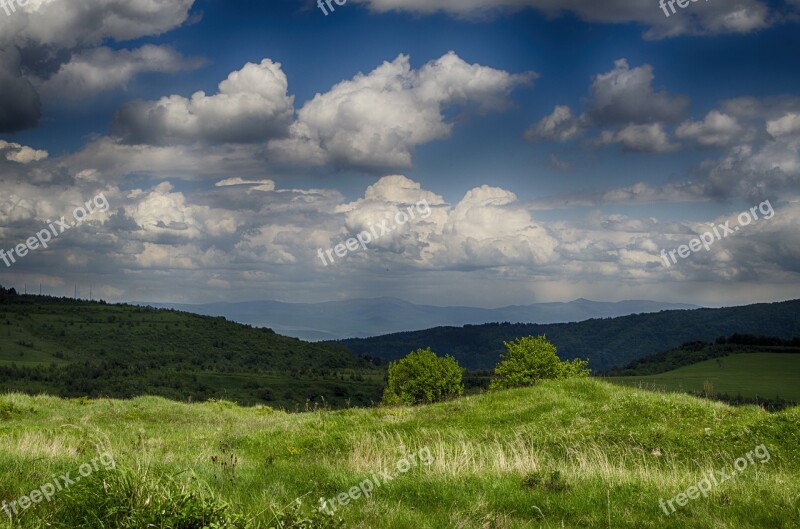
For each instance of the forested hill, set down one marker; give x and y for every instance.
(607, 342)
(77, 348)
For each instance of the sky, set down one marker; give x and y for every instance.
(494, 152)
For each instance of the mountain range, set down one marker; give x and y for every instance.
(361, 318)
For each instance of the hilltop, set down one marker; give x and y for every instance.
(573, 454)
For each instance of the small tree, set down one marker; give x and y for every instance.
(422, 377)
(530, 359)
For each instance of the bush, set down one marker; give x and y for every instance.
(530, 359)
(422, 378)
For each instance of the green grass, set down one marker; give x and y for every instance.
(572, 454)
(764, 375)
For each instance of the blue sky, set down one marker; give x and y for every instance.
(560, 145)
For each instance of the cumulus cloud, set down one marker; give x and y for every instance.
(21, 153)
(70, 25)
(252, 105)
(376, 120)
(786, 125)
(490, 228)
(651, 138)
(738, 17)
(625, 103)
(382, 201)
(716, 130)
(561, 125)
(626, 95)
(96, 70)
(163, 214)
(487, 228)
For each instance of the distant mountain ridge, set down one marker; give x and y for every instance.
(607, 343)
(360, 318)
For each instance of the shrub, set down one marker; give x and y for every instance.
(422, 377)
(530, 359)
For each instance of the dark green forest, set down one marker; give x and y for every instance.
(76, 348)
(607, 342)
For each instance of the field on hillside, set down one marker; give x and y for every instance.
(565, 454)
(764, 375)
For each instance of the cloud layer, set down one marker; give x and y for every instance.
(59, 39)
(708, 18)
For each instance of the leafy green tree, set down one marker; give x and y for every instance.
(422, 377)
(530, 359)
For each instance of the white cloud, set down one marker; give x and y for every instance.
(716, 130)
(21, 153)
(788, 124)
(100, 69)
(738, 16)
(162, 212)
(490, 228)
(252, 105)
(258, 185)
(71, 25)
(376, 120)
(651, 138)
(626, 95)
(561, 125)
(110, 159)
(624, 99)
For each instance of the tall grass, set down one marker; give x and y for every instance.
(575, 453)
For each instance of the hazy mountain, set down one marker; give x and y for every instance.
(360, 318)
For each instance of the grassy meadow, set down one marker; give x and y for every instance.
(564, 454)
(753, 375)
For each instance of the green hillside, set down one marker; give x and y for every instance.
(565, 454)
(77, 348)
(751, 375)
(607, 343)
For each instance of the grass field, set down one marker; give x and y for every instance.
(765, 375)
(565, 454)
